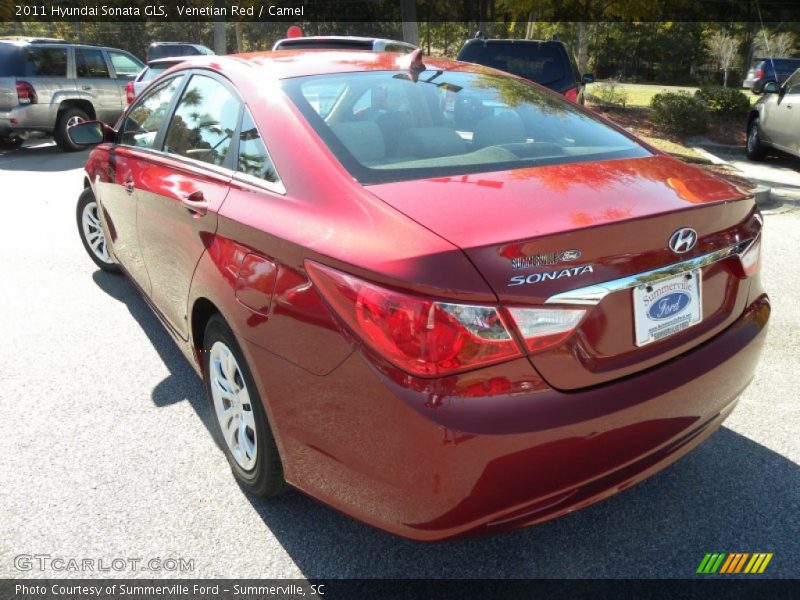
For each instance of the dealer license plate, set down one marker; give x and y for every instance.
(665, 307)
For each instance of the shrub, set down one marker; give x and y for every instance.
(680, 112)
(724, 100)
(608, 93)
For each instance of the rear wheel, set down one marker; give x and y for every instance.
(247, 439)
(11, 142)
(66, 119)
(91, 232)
(755, 148)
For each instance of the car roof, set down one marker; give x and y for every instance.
(491, 41)
(283, 64)
(174, 44)
(299, 41)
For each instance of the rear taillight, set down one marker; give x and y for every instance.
(130, 94)
(422, 336)
(543, 328)
(25, 93)
(572, 94)
(759, 73)
(751, 258)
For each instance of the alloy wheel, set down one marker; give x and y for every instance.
(232, 406)
(74, 120)
(93, 232)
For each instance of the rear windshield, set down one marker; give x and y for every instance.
(540, 62)
(383, 126)
(167, 51)
(9, 60)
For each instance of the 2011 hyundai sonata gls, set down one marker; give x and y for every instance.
(437, 297)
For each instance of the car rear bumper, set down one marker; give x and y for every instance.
(494, 449)
(34, 117)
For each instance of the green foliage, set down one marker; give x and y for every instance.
(680, 112)
(727, 101)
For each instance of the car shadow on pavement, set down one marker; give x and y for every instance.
(43, 157)
(729, 495)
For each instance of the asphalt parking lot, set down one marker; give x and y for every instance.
(105, 449)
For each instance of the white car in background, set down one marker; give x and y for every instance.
(153, 69)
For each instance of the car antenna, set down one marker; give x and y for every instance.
(766, 42)
(413, 63)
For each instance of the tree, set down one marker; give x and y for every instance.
(776, 44)
(723, 48)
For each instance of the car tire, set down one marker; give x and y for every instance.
(11, 142)
(245, 434)
(755, 147)
(92, 234)
(67, 118)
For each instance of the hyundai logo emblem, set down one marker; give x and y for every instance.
(683, 240)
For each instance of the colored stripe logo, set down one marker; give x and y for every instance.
(734, 562)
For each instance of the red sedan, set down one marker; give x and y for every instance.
(440, 298)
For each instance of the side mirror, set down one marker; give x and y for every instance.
(90, 133)
(772, 87)
(587, 78)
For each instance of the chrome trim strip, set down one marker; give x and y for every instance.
(592, 295)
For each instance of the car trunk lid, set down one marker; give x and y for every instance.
(539, 232)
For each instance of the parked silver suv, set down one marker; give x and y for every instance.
(48, 85)
(773, 124)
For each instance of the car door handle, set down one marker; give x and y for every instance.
(195, 203)
(86, 87)
(129, 186)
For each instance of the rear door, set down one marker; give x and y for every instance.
(93, 80)
(183, 188)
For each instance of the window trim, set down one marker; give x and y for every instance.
(232, 173)
(276, 187)
(158, 142)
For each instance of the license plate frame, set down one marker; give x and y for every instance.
(666, 307)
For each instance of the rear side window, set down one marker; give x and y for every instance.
(125, 65)
(90, 63)
(253, 157)
(142, 123)
(44, 62)
(204, 122)
(540, 62)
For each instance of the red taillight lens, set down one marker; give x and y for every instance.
(751, 258)
(572, 94)
(130, 94)
(26, 94)
(543, 328)
(422, 336)
(759, 73)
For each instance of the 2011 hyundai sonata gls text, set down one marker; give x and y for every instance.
(437, 297)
